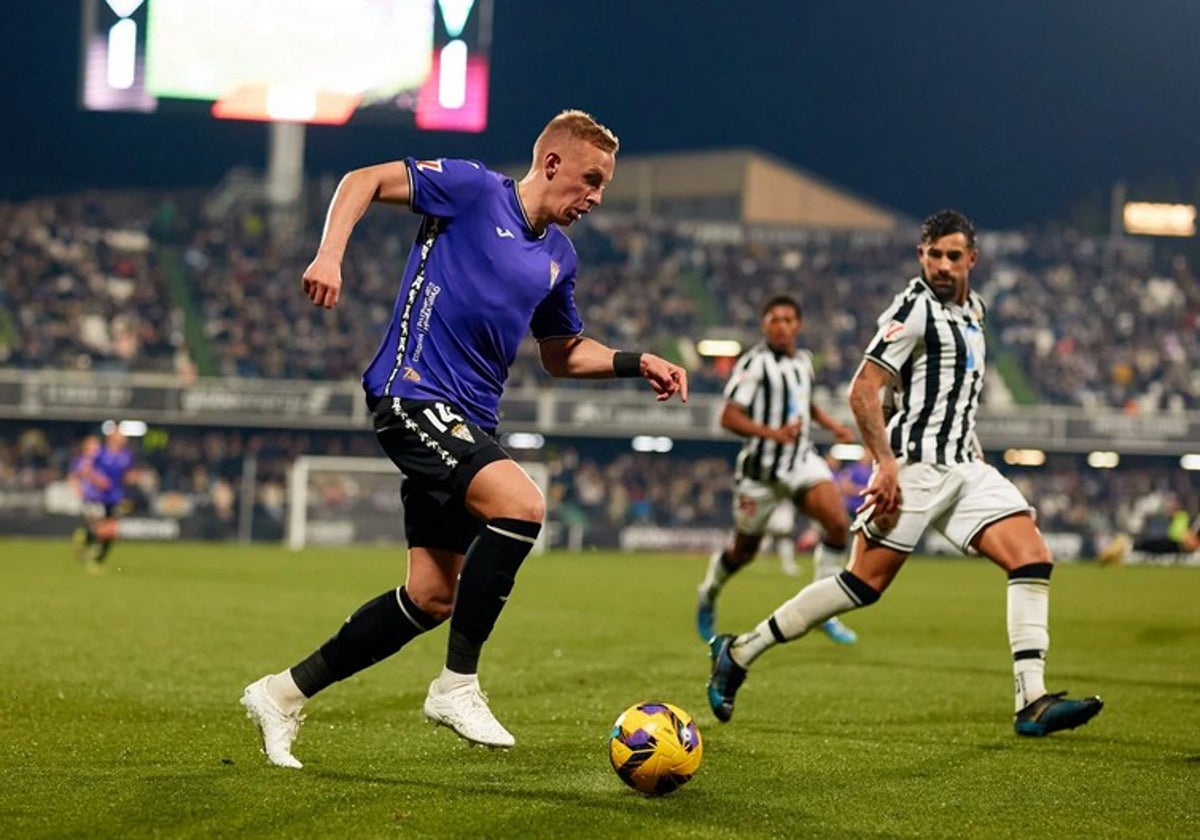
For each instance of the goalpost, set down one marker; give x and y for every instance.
(336, 500)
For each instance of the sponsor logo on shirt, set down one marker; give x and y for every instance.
(430, 165)
(974, 346)
(893, 330)
(554, 270)
(411, 375)
(504, 233)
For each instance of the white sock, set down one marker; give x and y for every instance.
(284, 692)
(827, 561)
(812, 605)
(785, 547)
(714, 576)
(1028, 636)
(449, 680)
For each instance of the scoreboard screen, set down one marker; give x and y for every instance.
(310, 61)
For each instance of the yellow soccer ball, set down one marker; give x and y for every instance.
(655, 747)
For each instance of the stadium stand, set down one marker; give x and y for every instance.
(148, 282)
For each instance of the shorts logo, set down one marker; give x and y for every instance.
(430, 165)
(747, 506)
(554, 269)
(443, 418)
(411, 375)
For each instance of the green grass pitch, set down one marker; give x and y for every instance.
(119, 713)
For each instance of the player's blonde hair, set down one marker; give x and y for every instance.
(579, 125)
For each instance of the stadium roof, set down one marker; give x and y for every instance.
(740, 185)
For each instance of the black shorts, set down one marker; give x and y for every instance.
(439, 451)
(96, 511)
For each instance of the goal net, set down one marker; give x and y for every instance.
(336, 500)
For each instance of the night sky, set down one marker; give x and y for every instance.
(1012, 110)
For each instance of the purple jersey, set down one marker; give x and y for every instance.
(90, 492)
(113, 464)
(477, 280)
(857, 475)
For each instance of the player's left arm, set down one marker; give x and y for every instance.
(577, 357)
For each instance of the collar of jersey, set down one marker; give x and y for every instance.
(525, 216)
(957, 307)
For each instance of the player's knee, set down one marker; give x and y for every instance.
(531, 509)
(526, 503)
(862, 592)
(837, 532)
(438, 604)
(439, 609)
(1029, 555)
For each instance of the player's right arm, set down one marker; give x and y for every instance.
(386, 182)
(736, 419)
(740, 390)
(883, 490)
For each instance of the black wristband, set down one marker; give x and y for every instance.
(627, 365)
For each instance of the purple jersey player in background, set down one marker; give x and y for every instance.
(852, 478)
(489, 266)
(99, 474)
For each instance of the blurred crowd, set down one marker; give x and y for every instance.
(153, 282)
(158, 282)
(83, 288)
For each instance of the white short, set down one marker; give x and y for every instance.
(957, 500)
(755, 501)
(782, 520)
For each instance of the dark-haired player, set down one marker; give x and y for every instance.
(490, 264)
(928, 353)
(768, 402)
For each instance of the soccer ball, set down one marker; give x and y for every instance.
(655, 747)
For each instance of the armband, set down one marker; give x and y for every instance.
(627, 365)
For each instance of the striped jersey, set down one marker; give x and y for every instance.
(477, 280)
(774, 389)
(936, 352)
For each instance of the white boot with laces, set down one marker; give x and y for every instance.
(464, 708)
(277, 728)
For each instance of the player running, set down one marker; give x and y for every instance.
(768, 401)
(928, 353)
(99, 475)
(490, 265)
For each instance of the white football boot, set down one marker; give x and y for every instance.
(277, 728)
(465, 710)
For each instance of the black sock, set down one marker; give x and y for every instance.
(483, 587)
(102, 552)
(377, 629)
